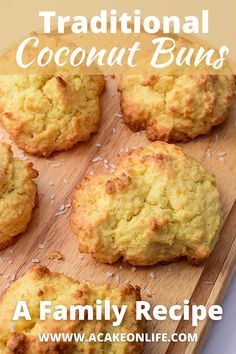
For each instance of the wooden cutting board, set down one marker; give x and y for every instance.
(58, 177)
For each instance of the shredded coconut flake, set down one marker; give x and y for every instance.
(62, 207)
(56, 165)
(149, 293)
(109, 274)
(96, 159)
(60, 213)
(152, 275)
(208, 153)
(118, 115)
(221, 154)
(13, 277)
(41, 246)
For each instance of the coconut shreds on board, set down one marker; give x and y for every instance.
(41, 246)
(56, 165)
(109, 274)
(59, 213)
(13, 277)
(133, 269)
(149, 293)
(56, 256)
(35, 260)
(62, 207)
(223, 153)
(152, 275)
(118, 115)
(208, 153)
(120, 151)
(65, 180)
(96, 159)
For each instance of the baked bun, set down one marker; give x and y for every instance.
(159, 205)
(176, 105)
(47, 113)
(17, 195)
(39, 284)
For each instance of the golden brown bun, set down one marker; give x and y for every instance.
(50, 113)
(17, 195)
(40, 284)
(158, 206)
(176, 105)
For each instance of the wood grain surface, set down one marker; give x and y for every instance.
(49, 230)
